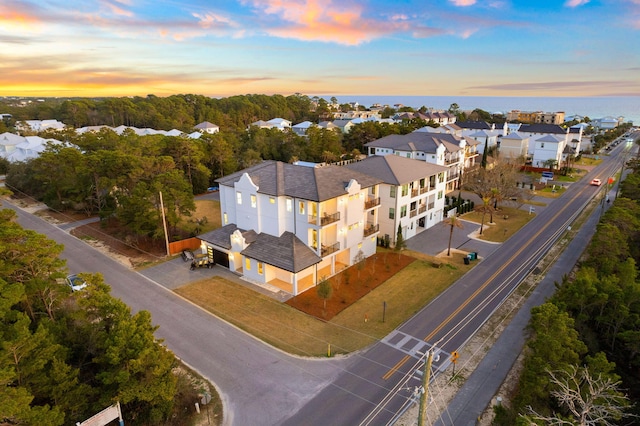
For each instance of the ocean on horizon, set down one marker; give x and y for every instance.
(592, 107)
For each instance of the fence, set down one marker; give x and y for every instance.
(188, 244)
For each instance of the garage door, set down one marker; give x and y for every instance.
(221, 258)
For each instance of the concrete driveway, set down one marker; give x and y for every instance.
(176, 273)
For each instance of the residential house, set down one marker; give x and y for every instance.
(548, 149)
(411, 193)
(514, 146)
(206, 127)
(290, 225)
(536, 131)
(15, 148)
(277, 123)
(344, 125)
(606, 123)
(437, 148)
(328, 125)
(441, 117)
(350, 115)
(300, 129)
(39, 125)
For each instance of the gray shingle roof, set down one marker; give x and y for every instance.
(309, 183)
(396, 170)
(418, 141)
(542, 128)
(478, 125)
(221, 237)
(285, 252)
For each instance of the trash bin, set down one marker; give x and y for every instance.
(466, 260)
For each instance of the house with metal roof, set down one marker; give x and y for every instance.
(411, 193)
(513, 146)
(300, 129)
(437, 148)
(288, 226)
(207, 127)
(275, 123)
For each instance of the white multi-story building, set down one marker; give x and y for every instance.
(411, 193)
(443, 149)
(290, 225)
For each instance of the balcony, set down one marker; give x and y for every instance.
(371, 202)
(327, 250)
(422, 209)
(325, 219)
(371, 229)
(415, 192)
(413, 213)
(424, 189)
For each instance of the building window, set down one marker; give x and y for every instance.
(359, 246)
(392, 213)
(403, 211)
(405, 190)
(541, 144)
(225, 218)
(247, 263)
(301, 207)
(392, 191)
(239, 197)
(254, 201)
(289, 205)
(260, 268)
(272, 200)
(439, 195)
(440, 177)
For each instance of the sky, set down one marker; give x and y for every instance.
(222, 48)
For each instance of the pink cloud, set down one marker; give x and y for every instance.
(15, 14)
(116, 7)
(322, 20)
(463, 3)
(575, 3)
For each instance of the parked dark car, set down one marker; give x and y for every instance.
(187, 255)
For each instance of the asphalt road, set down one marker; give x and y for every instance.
(262, 386)
(377, 388)
(259, 385)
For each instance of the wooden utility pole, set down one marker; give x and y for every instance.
(425, 388)
(164, 225)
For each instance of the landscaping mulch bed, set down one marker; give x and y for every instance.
(351, 285)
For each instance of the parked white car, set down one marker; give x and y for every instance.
(75, 282)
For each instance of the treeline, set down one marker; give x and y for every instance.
(584, 351)
(66, 356)
(121, 176)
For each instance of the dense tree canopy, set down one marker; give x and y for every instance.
(593, 321)
(65, 356)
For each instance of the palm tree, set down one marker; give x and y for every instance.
(485, 208)
(452, 221)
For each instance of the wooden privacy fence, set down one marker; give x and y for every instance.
(188, 244)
